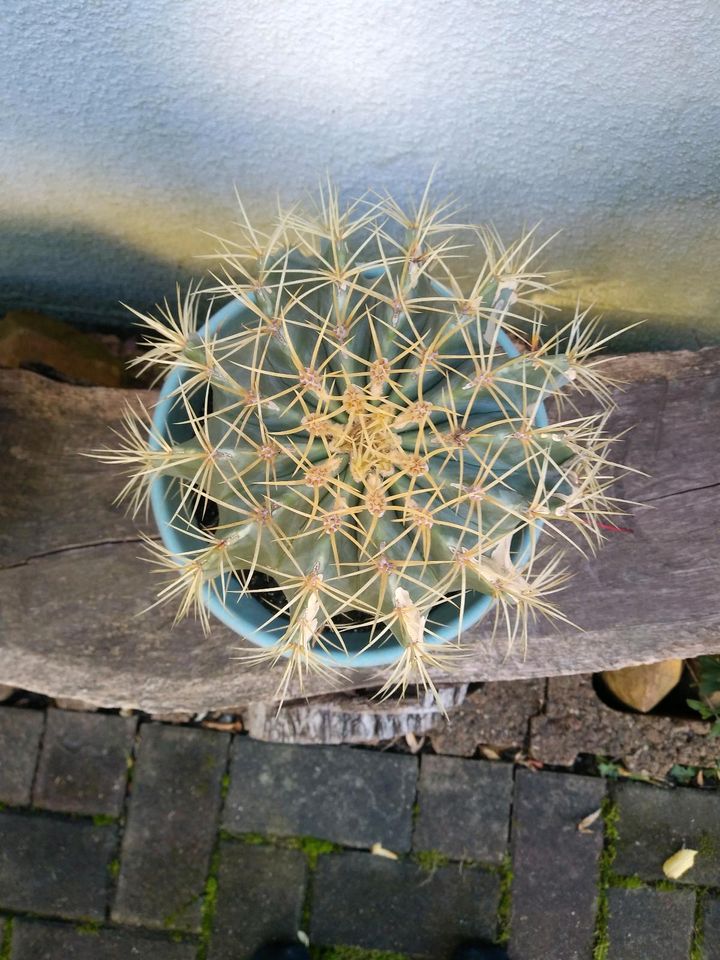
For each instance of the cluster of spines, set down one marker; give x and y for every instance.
(339, 431)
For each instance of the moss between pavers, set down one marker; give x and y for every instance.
(354, 953)
(89, 929)
(209, 903)
(6, 940)
(610, 815)
(505, 902)
(430, 860)
(312, 847)
(697, 951)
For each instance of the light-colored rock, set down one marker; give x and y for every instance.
(350, 719)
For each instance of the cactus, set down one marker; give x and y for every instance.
(367, 440)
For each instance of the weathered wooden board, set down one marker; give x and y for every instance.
(72, 587)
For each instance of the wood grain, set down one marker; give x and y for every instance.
(72, 587)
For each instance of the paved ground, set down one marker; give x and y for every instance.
(159, 842)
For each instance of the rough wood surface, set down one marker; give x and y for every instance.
(72, 587)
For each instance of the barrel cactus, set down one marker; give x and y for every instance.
(363, 442)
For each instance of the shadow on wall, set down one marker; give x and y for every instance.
(83, 276)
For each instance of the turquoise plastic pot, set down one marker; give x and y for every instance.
(245, 614)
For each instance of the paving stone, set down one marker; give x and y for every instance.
(654, 822)
(555, 866)
(367, 901)
(260, 898)
(84, 762)
(650, 923)
(54, 867)
(464, 808)
(349, 796)
(171, 824)
(20, 732)
(711, 930)
(33, 940)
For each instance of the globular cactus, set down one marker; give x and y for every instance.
(366, 440)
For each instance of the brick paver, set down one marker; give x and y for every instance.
(650, 924)
(169, 884)
(654, 823)
(34, 940)
(84, 762)
(20, 732)
(711, 929)
(171, 827)
(54, 867)
(260, 894)
(354, 797)
(555, 866)
(464, 807)
(367, 901)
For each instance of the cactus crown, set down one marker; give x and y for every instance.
(364, 439)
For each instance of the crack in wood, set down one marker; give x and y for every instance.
(679, 493)
(76, 546)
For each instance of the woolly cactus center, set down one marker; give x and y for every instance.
(369, 439)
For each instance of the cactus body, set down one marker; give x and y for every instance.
(361, 443)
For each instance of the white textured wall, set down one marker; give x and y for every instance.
(123, 127)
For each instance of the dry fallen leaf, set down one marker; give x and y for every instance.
(588, 821)
(644, 686)
(413, 743)
(379, 850)
(679, 863)
(489, 753)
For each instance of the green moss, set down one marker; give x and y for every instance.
(610, 816)
(354, 953)
(312, 847)
(707, 846)
(209, 905)
(90, 928)
(6, 941)
(430, 860)
(114, 868)
(697, 951)
(627, 883)
(103, 820)
(224, 785)
(505, 904)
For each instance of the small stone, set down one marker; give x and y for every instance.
(655, 823)
(54, 867)
(6, 692)
(84, 762)
(171, 825)
(555, 866)
(379, 904)
(464, 807)
(650, 923)
(69, 703)
(354, 797)
(269, 908)
(20, 732)
(34, 940)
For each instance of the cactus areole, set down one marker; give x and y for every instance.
(351, 462)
